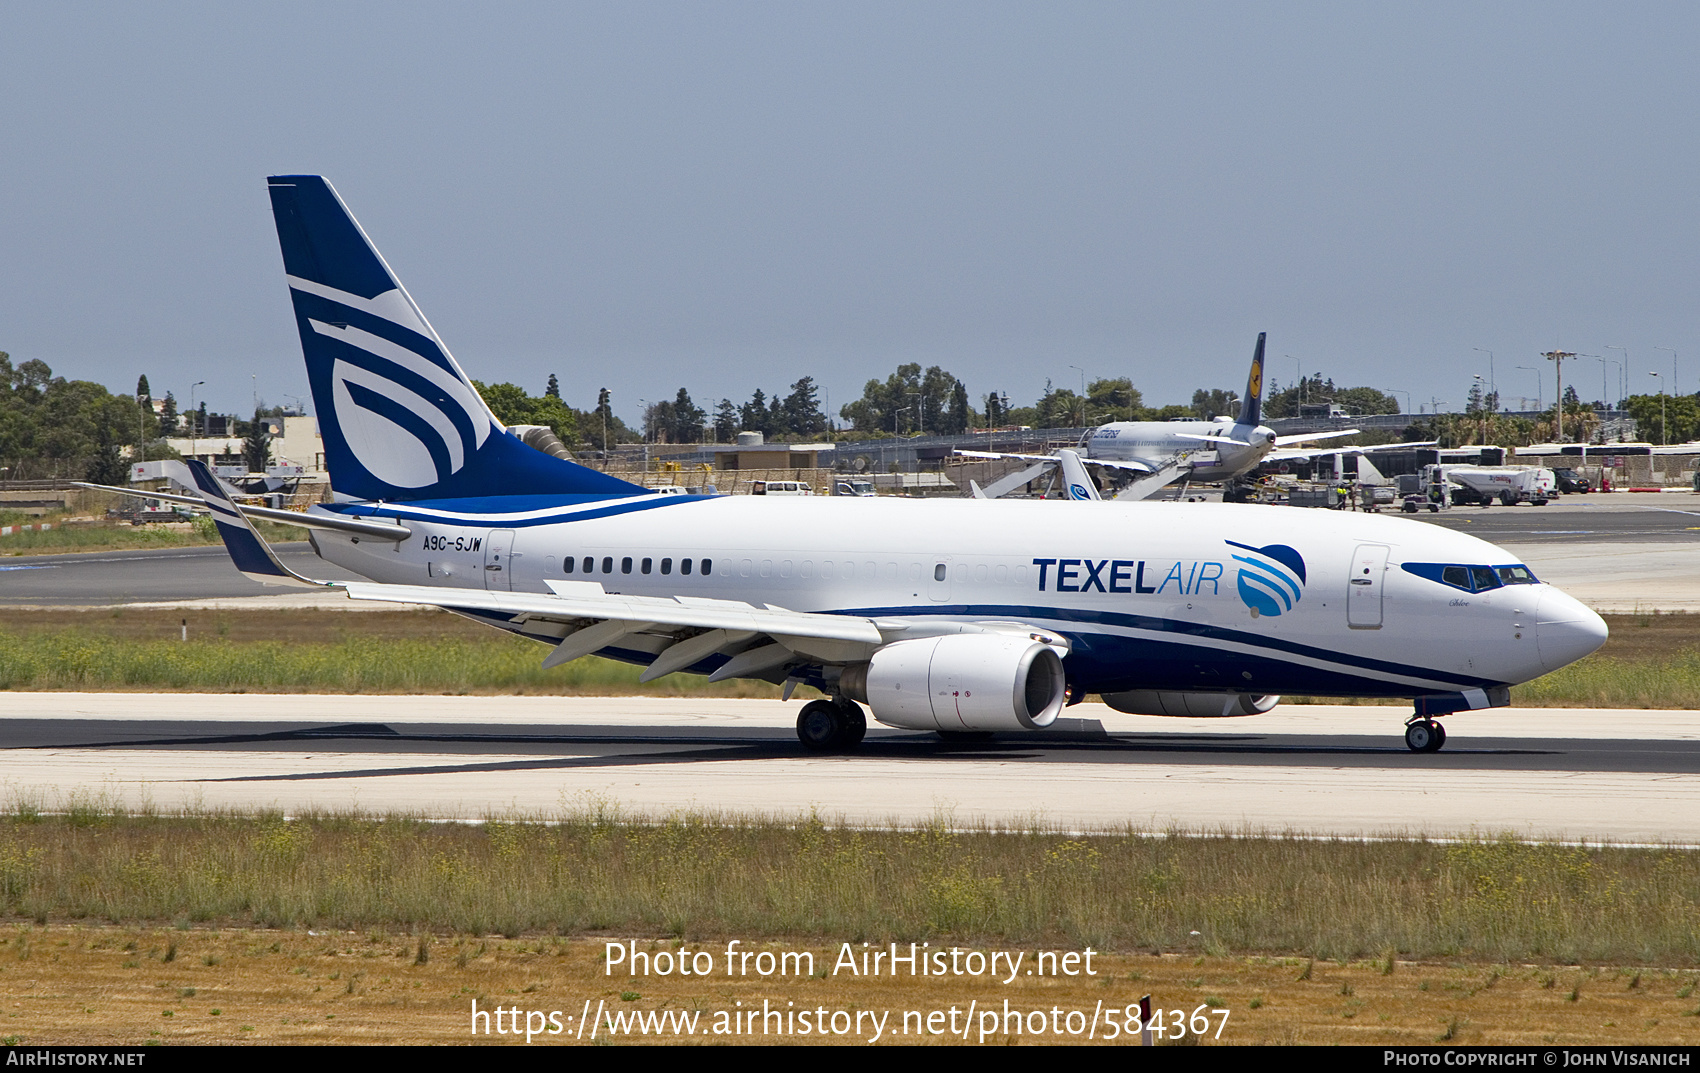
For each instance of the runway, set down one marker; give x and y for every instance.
(1329, 770)
(165, 575)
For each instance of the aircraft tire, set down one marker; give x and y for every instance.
(822, 727)
(1424, 736)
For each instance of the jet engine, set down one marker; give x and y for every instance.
(1213, 705)
(961, 682)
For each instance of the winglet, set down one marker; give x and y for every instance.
(252, 556)
(1251, 407)
(1075, 478)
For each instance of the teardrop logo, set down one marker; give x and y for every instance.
(1271, 578)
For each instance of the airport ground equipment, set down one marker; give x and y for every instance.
(1483, 485)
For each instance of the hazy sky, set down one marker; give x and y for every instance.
(728, 196)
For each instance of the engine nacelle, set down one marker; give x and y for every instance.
(971, 681)
(1207, 705)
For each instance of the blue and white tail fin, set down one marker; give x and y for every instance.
(253, 556)
(1075, 478)
(1251, 407)
(400, 420)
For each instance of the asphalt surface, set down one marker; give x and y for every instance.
(162, 575)
(1319, 769)
(616, 745)
(1657, 519)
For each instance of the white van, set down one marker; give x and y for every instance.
(780, 488)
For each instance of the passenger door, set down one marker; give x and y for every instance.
(1364, 587)
(498, 551)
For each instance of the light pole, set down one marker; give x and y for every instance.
(1605, 400)
(1662, 437)
(1299, 368)
(1082, 373)
(1540, 402)
(1482, 410)
(1493, 385)
(1623, 379)
(1402, 391)
(194, 418)
(1673, 385)
(1557, 358)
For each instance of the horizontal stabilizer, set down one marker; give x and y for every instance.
(252, 555)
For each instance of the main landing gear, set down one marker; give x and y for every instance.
(1424, 736)
(831, 726)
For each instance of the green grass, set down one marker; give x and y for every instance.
(81, 657)
(695, 877)
(63, 538)
(490, 662)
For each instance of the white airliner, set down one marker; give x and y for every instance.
(1151, 455)
(952, 616)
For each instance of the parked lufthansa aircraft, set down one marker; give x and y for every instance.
(1151, 455)
(941, 615)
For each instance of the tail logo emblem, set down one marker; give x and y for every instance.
(411, 422)
(1271, 579)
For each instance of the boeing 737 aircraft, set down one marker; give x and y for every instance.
(1155, 454)
(939, 615)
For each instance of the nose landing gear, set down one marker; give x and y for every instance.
(1424, 736)
(831, 726)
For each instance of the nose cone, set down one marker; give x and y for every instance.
(1565, 630)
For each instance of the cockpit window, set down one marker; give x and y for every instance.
(1470, 577)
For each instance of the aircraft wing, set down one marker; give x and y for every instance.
(994, 455)
(1279, 455)
(1220, 439)
(576, 600)
(1282, 441)
(757, 639)
(1052, 459)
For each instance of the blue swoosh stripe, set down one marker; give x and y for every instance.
(1195, 630)
(623, 505)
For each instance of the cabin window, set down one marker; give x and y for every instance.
(647, 565)
(566, 564)
(684, 566)
(626, 565)
(666, 566)
(607, 564)
(939, 572)
(707, 567)
(590, 564)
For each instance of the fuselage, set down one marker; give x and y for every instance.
(1156, 443)
(1208, 597)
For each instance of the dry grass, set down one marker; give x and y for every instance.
(701, 877)
(125, 986)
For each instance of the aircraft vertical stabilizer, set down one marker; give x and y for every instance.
(400, 420)
(1251, 407)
